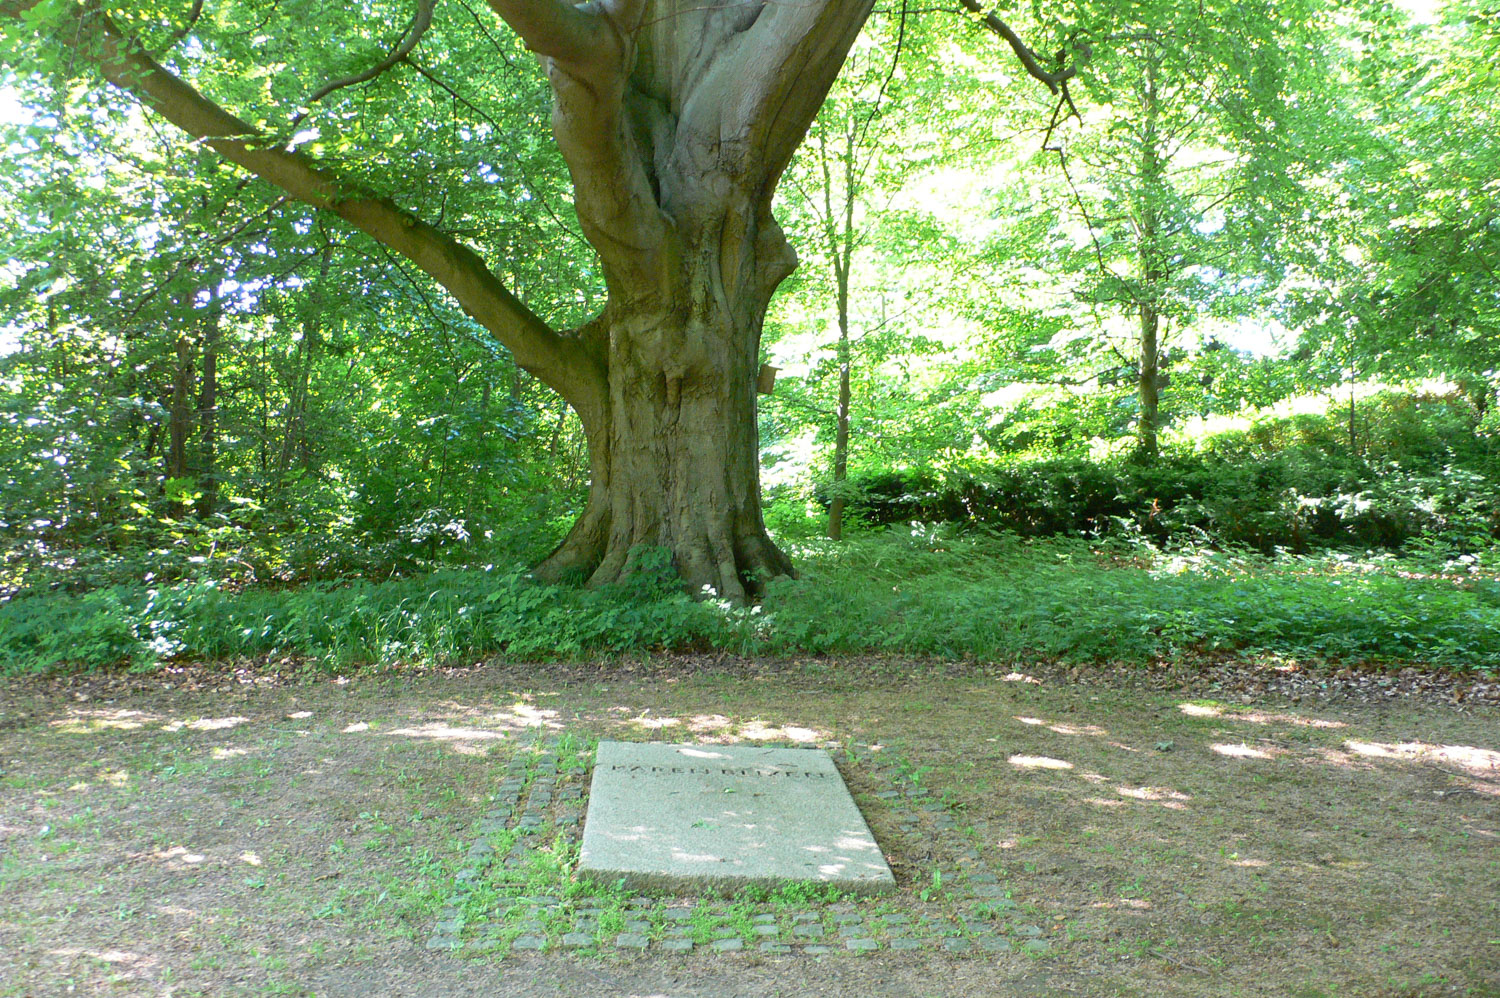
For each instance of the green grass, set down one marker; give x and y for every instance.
(925, 591)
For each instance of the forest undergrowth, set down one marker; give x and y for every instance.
(922, 590)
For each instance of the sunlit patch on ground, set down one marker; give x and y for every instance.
(1475, 761)
(1165, 796)
(82, 722)
(206, 724)
(1256, 716)
(1240, 751)
(1064, 729)
(1039, 762)
(458, 739)
(179, 855)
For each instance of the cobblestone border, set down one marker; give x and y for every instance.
(964, 910)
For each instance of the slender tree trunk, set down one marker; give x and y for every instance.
(1152, 271)
(208, 420)
(180, 419)
(840, 445)
(1148, 388)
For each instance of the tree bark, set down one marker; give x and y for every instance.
(179, 420)
(1148, 389)
(208, 419)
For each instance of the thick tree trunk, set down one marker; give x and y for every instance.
(675, 455)
(675, 134)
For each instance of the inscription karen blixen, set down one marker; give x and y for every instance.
(710, 771)
(686, 817)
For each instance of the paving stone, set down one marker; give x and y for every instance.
(1036, 945)
(806, 916)
(955, 944)
(723, 932)
(847, 917)
(994, 944)
(766, 930)
(529, 942)
(987, 891)
(450, 927)
(808, 931)
(893, 921)
(905, 944)
(676, 945)
(728, 945)
(577, 940)
(678, 931)
(637, 925)
(1028, 931)
(487, 944)
(769, 947)
(658, 816)
(630, 940)
(983, 878)
(860, 945)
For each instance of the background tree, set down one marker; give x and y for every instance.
(1176, 168)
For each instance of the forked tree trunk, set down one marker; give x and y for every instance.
(675, 141)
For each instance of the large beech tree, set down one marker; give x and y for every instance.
(676, 120)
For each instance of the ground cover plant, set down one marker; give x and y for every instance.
(195, 833)
(920, 590)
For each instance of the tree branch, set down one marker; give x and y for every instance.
(807, 42)
(564, 362)
(556, 29)
(420, 22)
(1056, 80)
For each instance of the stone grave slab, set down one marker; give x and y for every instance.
(687, 817)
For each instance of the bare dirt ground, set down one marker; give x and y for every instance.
(1232, 832)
